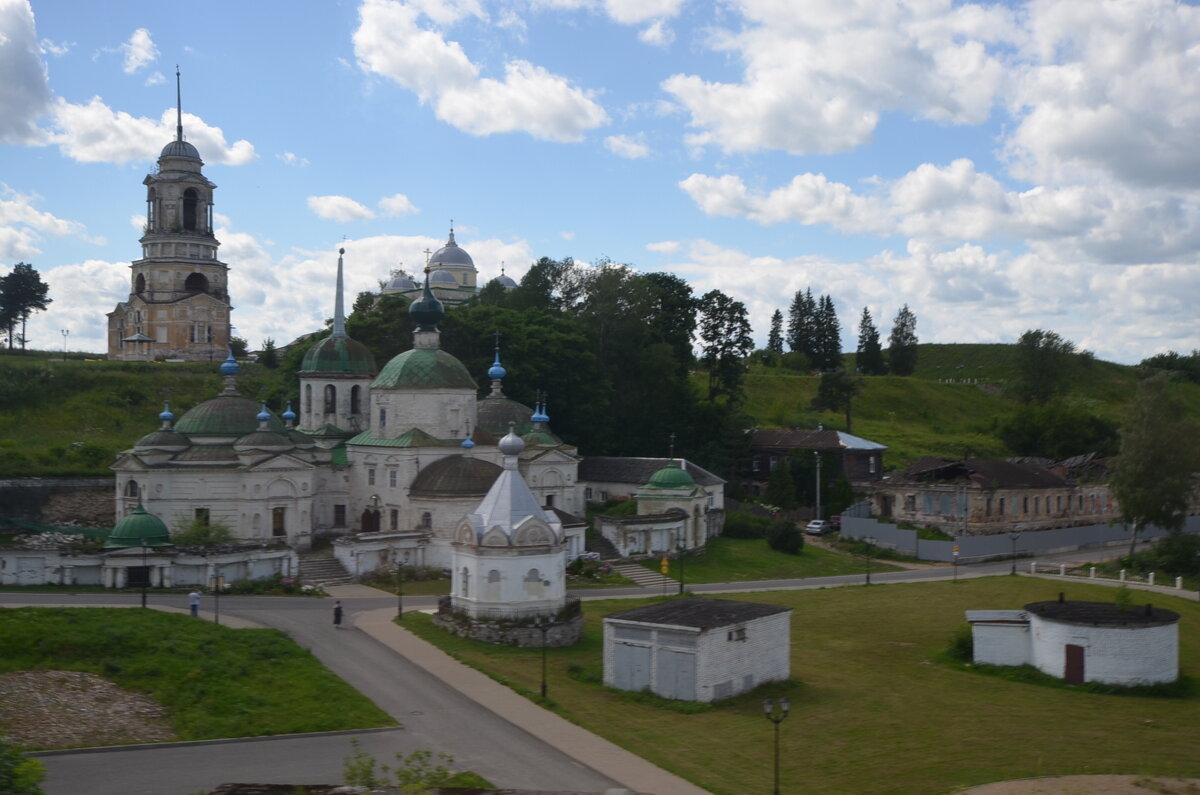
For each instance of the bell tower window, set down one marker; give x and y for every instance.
(191, 199)
(196, 283)
(139, 284)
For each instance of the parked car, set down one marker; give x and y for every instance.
(836, 521)
(818, 527)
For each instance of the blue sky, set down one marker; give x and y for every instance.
(996, 166)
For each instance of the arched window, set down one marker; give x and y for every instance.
(190, 201)
(330, 399)
(465, 582)
(427, 520)
(196, 283)
(131, 489)
(355, 392)
(493, 576)
(308, 398)
(139, 284)
(151, 209)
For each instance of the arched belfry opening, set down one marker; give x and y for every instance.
(191, 203)
(139, 284)
(196, 283)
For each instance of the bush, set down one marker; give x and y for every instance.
(962, 645)
(18, 774)
(745, 525)
(783, 536)
(199, 533)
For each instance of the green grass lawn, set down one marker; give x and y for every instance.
(739, 559)
(214, 681)
(874, 709)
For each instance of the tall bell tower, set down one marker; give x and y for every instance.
(178, 305)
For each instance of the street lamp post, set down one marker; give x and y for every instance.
(1013, 538)
(817, 455)
(776, 712)
(400, 563)
(682, 548)
(65, 332)
(870, 542)
(543, 625)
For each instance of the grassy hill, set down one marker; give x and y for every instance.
(72, 417)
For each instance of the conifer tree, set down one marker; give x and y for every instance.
(802, 324)
(827, 349)
(902, 344)
(22, 292)
(870, 352)
(775, 337)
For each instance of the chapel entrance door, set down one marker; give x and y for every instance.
(1073, 671)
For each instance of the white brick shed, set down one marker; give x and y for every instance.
(697, 649)
(1082, 641)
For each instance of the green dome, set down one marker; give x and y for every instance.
(226, 415)
(139, 529)
(424, 368)
(338, 355)
(671, 477)
(495, 413)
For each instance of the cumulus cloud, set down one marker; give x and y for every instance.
(56, 48)
(339, 208)
(95, 133)
(24, 92)
(663, 247)
(818, 81)
(139, 51)
(657, 33)
(632, 147)
(22, 226)
(635, 12)
(397, 205)
(1105, 223)
(390, 41)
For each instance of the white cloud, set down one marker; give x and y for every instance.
(632, 147)
(818, 81)
(663, 247)
(966, 294)
(22, 226)
(397, 205)
(139, 51)
(657, 34)
(56, 48)
(635, 12)
(390, 42)
(155, 78)
(95, 133)
(1103, 223)
(567, 235)
(292, 159)
(24, 92)
(339, 208)
(1108, 88)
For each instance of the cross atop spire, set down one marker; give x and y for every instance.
(671, 455)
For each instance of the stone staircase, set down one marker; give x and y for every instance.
(601, 546)
(646, 578)
(320, 567)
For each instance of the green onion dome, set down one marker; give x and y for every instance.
(137, 529)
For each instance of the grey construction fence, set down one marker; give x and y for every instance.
(976, 548)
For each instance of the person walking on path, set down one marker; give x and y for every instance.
(194, 603)
(337, 614)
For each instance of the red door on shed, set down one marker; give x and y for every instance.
(1073, 672)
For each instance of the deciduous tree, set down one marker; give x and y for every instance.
(836, 392)
(902, 343)
(1154, 474)
(1045, 365)
(724, 335)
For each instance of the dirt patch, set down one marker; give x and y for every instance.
(1091, 785)
(70, 709)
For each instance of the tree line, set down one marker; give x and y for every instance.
(609, 348)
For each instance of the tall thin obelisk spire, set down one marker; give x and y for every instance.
(339, 315)
(178, 107)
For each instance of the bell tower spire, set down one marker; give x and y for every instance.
(178, 107)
